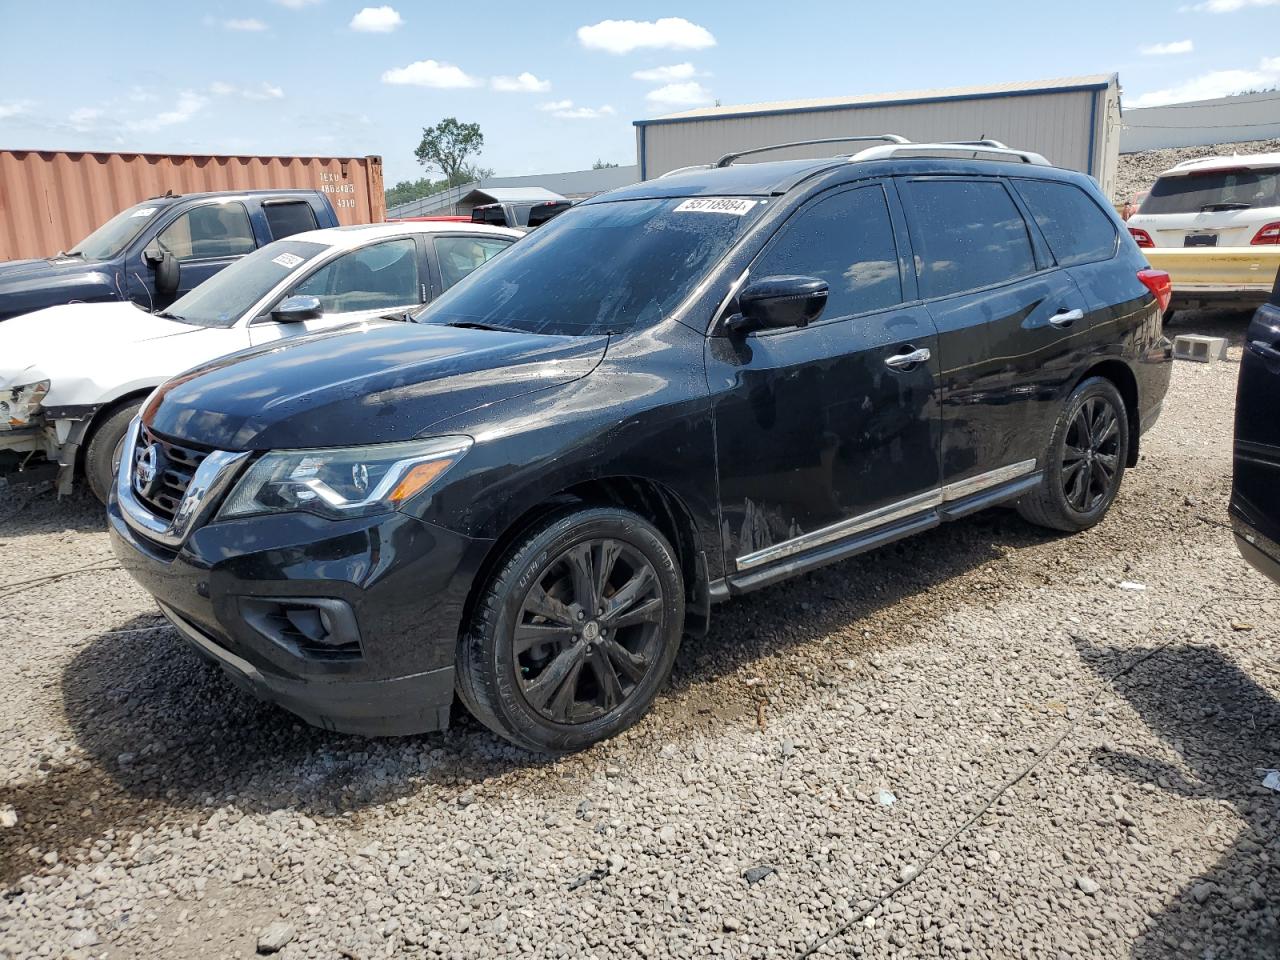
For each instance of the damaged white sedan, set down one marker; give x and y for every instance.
(72, 377)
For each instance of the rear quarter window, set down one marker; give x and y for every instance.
(1075, 228)
(287, 218)
(967, 234)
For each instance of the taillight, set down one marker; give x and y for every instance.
(1142, 237)
(1158, 282)
(1270, 234)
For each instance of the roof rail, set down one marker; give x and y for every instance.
(993, 149)
(728, 158)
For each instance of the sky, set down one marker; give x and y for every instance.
(556, 85)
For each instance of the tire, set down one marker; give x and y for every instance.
(540, 670)
(102, 455)
(1082, 473)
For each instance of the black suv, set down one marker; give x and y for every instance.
(1255, 490)
(671, 394)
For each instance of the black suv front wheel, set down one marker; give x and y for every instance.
(576, 632)
(1085, 461)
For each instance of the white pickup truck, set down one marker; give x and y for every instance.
(73, 376)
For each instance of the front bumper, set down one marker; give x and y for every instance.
(405, 583)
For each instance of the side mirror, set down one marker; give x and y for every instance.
(295, 309)
(168, 270)
(775, 303)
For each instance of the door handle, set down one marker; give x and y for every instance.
(1265, 350)
(900, 361)
(1066, 318)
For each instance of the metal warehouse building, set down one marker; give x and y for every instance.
(1074, 122)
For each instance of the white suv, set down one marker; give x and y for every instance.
(1215, 202)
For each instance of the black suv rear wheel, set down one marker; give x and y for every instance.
(576, 632)
(1085, 461)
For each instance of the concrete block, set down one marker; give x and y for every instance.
(1193, 346)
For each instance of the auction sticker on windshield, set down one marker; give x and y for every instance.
(716, 205)
(287, 260)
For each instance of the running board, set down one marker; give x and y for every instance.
(931, 511)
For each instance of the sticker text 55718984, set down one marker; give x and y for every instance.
(731, 205)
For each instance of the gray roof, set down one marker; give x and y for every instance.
(510, 195)
(1090, 82)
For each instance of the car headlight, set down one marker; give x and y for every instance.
(341, 482)
(19, 405)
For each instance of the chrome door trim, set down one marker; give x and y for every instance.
(210, 481)
(985, 481)
(891, 513)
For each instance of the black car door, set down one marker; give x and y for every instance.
(825, 432)
(1255, 491)
(1013, 328)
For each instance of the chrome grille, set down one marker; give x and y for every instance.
(174, 467)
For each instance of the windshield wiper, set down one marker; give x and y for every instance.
(478, 325)
(171, 316)
(1215, 207)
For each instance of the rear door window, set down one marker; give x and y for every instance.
(458, 256)
(208, 232)
(286, 219)
(381, 276)
(1075, 227)
(1214, 190)
(847, 240)
(966, 234)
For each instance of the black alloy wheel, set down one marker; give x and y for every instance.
(1091, 454)
(575, 632)
(588, 631)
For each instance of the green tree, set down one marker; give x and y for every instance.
(602, 165)
(447, 146)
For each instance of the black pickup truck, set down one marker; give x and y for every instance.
(155, 251)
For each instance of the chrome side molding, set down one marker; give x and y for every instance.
(891, 513)
(211, 480)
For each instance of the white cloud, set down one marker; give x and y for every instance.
(1209, 86)
(84, 118)
(1230, 6)
(565, 110)
(430, 73)
(376, 20)
(689, 94)
(623, 36)
(524, 83)
(264, 91)
(677, 71)
(13, 108)
(1167, 49)
(249, 25)
(189, 104)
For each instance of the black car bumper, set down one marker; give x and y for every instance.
(351, 625)
(1261, 552)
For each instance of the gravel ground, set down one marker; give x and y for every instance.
(1137, 171)
(824, 777)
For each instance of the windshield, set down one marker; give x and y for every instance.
(1239, 189)
(114, 235)
(600, 268)
(229, 294)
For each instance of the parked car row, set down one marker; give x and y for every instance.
(666, 396)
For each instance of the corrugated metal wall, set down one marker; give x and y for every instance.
(1253, 116)
(50, 200)
(1056, 124)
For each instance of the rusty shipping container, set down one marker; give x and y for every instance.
(52, 199)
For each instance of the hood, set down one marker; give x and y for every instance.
(27, 285)
(81, 342)
(372, 383)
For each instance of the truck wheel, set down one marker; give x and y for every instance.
(102, 455)
(1085, 461)
(576, 631)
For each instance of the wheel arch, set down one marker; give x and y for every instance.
(101, 415)
(1124, 380)
(652, 500)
